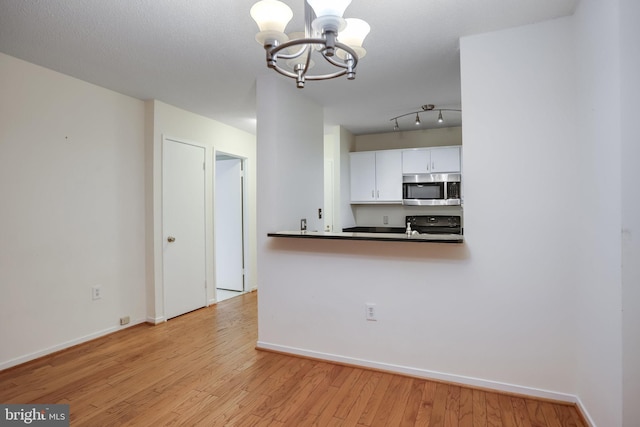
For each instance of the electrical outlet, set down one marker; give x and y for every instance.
(370, 312)
(385, 220)
(303, 224)
(124, 320)
(96, 292)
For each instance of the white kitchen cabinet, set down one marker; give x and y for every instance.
(376, 176)
(445, 159)
(363, 176)
(389, 176)
(431, 160)
(416, 161)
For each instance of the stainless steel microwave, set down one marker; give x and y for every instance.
(433, 189)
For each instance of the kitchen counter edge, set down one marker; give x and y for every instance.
(379, 237)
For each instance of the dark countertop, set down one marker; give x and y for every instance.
(386, 237)
(376, 229)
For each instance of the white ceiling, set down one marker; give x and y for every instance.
(201, 55)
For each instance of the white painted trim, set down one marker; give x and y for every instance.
(427, 374)
(32, 356)
(585, 413)
(211, 301)
(156, 320)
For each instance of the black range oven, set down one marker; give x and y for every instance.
(435, 224)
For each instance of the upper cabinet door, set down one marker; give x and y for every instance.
(363, 176)
(389, 176)
(416, 161)
(445, 159)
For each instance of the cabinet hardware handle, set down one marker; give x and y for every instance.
(171, 239)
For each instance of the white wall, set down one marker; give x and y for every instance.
(409, 139)
(599, 373)
(347, 145)
(496, 311)
(169, 121)
(630, 130)
(72, 210)
(290, 187)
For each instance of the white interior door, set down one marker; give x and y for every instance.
(183, 227)
(228, 219)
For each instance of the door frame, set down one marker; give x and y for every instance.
(245, 242)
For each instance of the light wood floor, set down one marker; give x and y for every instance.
(201, 369)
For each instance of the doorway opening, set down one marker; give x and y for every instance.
(229, 226)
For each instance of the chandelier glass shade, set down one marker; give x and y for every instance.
(337, 40)
(423, 109)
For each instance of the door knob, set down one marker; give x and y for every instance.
(171, 239)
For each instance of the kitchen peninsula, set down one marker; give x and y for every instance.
(383, 237)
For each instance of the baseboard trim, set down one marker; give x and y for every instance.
(586, 417)
(431, 375)
(156, 320)
(63, 346)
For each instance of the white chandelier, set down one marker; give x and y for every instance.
(338, 40)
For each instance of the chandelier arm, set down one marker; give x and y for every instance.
(288, 73)
(275, 53)
(293, 55)
(306, 41)
(347, 49)
(327, 76)
(285, 73)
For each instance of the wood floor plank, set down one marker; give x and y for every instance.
(577, 419)
(439, 405)
(202, 369)
(345, 407)
(394, 403)
(479, 408)
(506, 411)
(413, 404)
(423, 417)
(520, 412)
(358, 408)
(341, 393)
(452, 410)
(550, 415)
(466, 407)
(374, 402)
(494, 417)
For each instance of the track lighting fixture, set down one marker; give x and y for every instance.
(423, 109)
